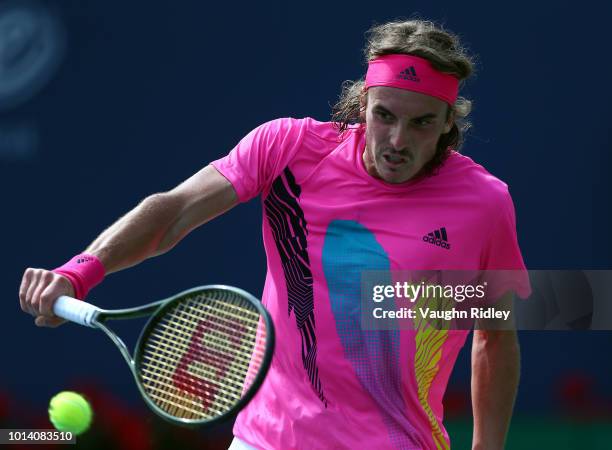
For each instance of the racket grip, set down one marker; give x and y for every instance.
(74, 310)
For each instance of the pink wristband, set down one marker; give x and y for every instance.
(84, 272)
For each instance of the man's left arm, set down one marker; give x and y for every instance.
(495, 378)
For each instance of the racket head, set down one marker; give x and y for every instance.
(204, 354)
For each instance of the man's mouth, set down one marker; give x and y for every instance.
(393, 160)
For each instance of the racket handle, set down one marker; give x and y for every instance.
(74, 310)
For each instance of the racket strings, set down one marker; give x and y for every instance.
(166, 354)
(168, 391)
(226, 383)
(216, 339)
(203, 355)
(194, 377)
(167, 350)
(163, 396)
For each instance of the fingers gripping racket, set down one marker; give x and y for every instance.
(202, 355)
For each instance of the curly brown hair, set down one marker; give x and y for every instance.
(427, 40)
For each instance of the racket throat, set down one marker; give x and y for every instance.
(118, 342)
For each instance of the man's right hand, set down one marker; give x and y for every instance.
(38, 291)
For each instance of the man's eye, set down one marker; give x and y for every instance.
(384, 115)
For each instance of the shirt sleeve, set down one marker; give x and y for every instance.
(260, 156)
(501, 257)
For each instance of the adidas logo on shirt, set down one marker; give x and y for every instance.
(438, 238)
(409, 74)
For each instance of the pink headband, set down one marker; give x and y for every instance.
(413, 74)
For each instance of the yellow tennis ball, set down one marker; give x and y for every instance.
(69, 411)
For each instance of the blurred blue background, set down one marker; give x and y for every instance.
(103, 103)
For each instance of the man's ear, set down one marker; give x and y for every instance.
(449, 123)
(363, 103)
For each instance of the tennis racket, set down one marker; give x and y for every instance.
(201, 356)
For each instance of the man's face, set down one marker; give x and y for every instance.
(402, 130)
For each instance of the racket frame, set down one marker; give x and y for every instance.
(156, 310)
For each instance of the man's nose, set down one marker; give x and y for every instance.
(399, 138)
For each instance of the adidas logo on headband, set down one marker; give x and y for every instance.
(409, 74)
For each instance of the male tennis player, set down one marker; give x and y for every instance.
(381, 187)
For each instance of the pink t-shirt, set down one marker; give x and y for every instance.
(332, 384)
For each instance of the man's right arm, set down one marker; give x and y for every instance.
(156, 225)
(160, 221)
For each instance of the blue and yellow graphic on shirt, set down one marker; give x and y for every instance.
(348, 250)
